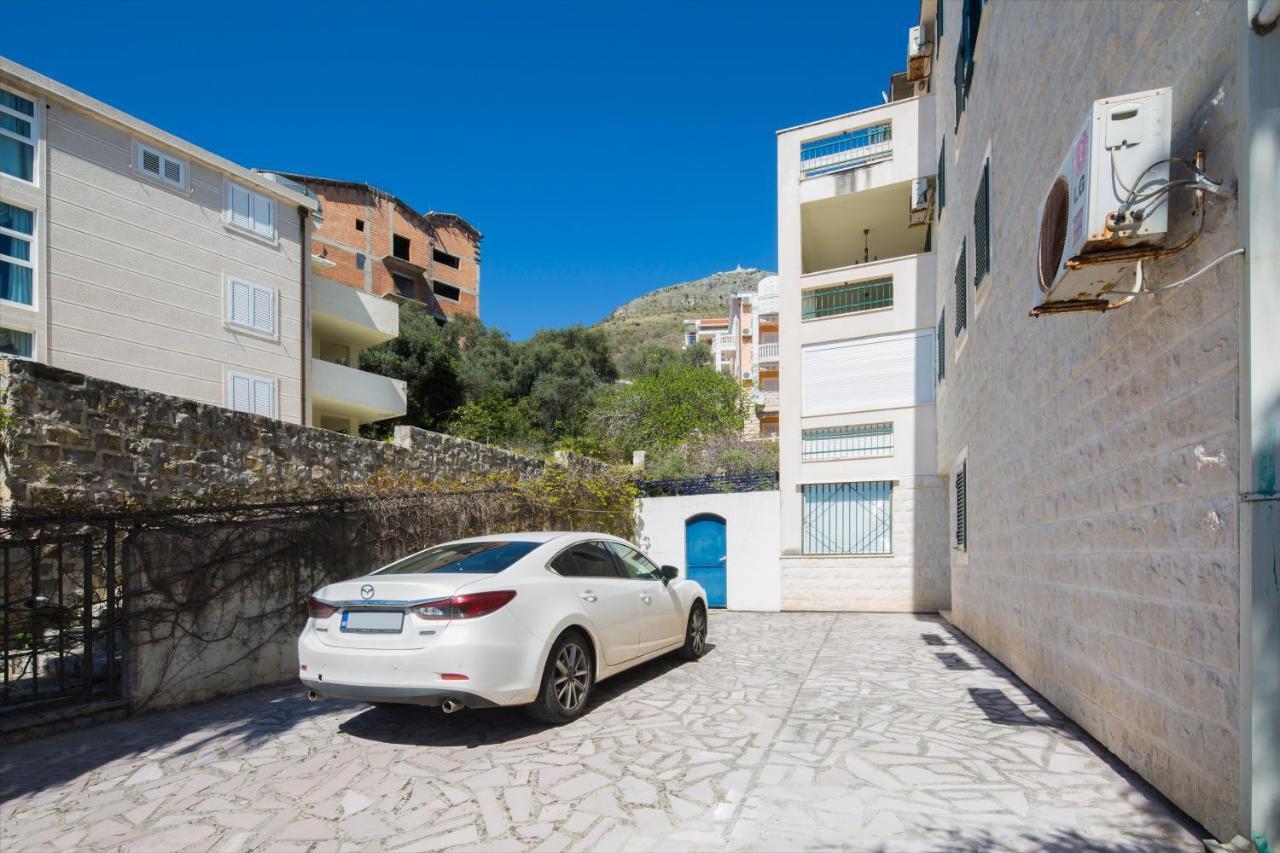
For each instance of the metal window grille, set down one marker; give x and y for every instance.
(982, 228)
(962, 519)
(847, 441)
(848, 518)
(942, 345)
(961, 289)
(846, 150)
(847, 298)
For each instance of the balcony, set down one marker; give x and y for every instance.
(766, 305)
(850, 298)
(772, 400)
(767, 352)
(342, 313)
(848, 150)
(344, 391)
(723, 341)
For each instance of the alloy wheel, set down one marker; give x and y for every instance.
(698, 630)
(572, 677)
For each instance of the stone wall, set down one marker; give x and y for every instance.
(1103, 561)
(69, 436)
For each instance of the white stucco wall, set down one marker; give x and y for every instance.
(751, 533)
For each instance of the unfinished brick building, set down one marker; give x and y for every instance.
(373, 241)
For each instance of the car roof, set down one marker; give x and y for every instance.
(540, 536)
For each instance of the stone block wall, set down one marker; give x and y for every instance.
(1102, 563)
(913, 579)
(70, 436)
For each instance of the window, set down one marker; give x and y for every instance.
(17, 136)
(250, 211)
(937, 25)
(445, 258)
(942, 345)
(466, 558)
(847, 518)
(405, 286)
(251, 306)
(637, 565)
(359, 260)
(400, 247)
(16, 344)
(982, 228)
(359, 224)
(588, 560)
(446, 291)
(962, 499)
(863, 374)
(156, 164)
(17, 270)
(961, 290)
(971, 19)
(847, 441)
(942, 177)
(253, 394)
(849, 298)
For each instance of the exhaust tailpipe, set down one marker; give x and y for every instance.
(312, 695)
(451, 706)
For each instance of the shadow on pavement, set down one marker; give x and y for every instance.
(412, 725)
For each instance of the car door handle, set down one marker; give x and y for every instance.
(587, 596)
(645, 597)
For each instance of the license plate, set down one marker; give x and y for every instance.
(372, 621)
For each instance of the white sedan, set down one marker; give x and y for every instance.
(519, 619)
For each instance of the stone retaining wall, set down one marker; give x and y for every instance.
(70, 436)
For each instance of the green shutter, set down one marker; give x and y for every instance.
(982, 228)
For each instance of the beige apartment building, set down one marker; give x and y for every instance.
(132, 255)
(863, 508)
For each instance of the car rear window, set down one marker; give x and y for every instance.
(481, 558)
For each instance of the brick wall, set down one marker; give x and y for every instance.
(383, 218)
(65, 435)
(1103, 558)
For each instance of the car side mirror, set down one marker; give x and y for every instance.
(668, 573)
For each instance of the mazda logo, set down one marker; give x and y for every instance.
(366, 591)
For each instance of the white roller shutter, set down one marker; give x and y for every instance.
(882, 372)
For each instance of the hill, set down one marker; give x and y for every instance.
(659, 315)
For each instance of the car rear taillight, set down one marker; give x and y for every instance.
(463, 606)
(317, 609)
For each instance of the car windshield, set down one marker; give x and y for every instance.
(481, 558)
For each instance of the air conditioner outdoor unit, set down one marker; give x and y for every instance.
(1108, 202)
(915, 42)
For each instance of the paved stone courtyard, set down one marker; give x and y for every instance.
(797, 730)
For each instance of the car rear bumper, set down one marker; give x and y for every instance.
(502, 665)
(432, 696)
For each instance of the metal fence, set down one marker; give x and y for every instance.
(847, 298)
(846, 150)
(60, 616)
(756, 481)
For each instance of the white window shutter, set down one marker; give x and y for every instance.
(263, 216)
(868, 373)
(264, 397)
(264, 310)
(241, 396)
(240, 310)
(239, 206)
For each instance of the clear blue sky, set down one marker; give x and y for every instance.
(603, 148)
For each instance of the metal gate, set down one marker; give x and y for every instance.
(60, 618)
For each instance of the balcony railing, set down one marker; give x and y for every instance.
(847, 150)
(767, 305)
(726, 340)
(767, 352)
(846, 298)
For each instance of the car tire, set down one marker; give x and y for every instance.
(695, 633)
(567, 681)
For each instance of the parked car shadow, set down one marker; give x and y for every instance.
(414, 725)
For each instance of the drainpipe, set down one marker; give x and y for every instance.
(304, 323)
(1258, 56)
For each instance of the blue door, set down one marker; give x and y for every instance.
(704, 555)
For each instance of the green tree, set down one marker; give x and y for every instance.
(677, 404)
(559, 372)
(425, 356)
(498, 420)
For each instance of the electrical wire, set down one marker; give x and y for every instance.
(1128, 295)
